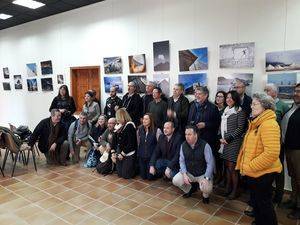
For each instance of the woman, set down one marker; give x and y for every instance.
(147, 136)
(66, 105)
(220, 101)
(232, 130)
(126, 144)
(99, 128)
(91, 108)
(259, 157)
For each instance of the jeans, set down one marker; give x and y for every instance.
(161, 165)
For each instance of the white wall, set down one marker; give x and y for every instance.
(123, 27)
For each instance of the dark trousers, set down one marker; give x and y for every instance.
(261, 194)
(279, 179)
(161, 165)
(126, 167)
(144, 168)
(293, 165)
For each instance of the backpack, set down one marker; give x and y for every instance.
(23, 132)
(106, 167)
(92, 158)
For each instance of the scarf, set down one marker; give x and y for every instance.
(227, 112)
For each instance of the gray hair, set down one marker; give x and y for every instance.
(265, 100)
(202, 89)
(272, 86)
(53, 111)
(83, 114)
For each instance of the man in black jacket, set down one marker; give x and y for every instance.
(178, 108)
(165, 157)
(240, 87)
(290, 130)
(112, 103)
(205, 116)
(50, 134)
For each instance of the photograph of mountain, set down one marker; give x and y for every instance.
(191, 81)
(32, 84)
(18, 82)
(240, 55)
(193, 59)
(113, 65)
(31, 69)
(161, 55)
(113, 81)
(46, 67)
(285, 60)
(140, 82)
(137, 63)
(227, 82)
(163, 81)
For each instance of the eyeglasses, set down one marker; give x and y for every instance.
(220, 96)
(255, 104)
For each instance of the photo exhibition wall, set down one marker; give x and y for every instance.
(197, 42)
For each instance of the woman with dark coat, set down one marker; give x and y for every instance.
(99, 128)
(66, 105)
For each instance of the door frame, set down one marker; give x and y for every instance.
(73, 80)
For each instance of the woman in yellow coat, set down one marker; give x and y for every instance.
(259, 157)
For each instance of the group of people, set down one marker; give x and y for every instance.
(235, 140)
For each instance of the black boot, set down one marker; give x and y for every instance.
(193, 189)
(205, 200)
(249, 213)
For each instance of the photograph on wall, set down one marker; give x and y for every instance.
(137, 63)
(191, 81)
(285, 60)
(163, 81)
(113, 65)
(47, 84)
(227, 82)
(113, 81)
(161, 55)
(6, 86)
(31, 69)
(240, 55)
(6, 73)
(285, 82)
(46, 67)
(140, 82)
(18, 82)
(32, 84)
(60, 79)
(193, 59)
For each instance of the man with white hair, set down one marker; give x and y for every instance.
(240, 87)
(280, 109)
(147, 98)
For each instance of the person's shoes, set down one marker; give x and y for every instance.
(287, 205)
(295, 214)
(194, 188)
(232, 196)
(249, 213)
(205, 200)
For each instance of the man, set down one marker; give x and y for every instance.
(112, 103)
(133, 103)
(280, 109)
(78, 135)
(290, 130)
(164, 159)
(205, 116)
(148, 97)
(240, 87)
(178, 108)
(158, 108)
(196, 165)
(109, 136)
(50, 134)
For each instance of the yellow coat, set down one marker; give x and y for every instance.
(260, 150)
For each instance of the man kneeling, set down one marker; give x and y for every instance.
(196, 165)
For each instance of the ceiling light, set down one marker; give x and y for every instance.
(4, 16)
(29, 3)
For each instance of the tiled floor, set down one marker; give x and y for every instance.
(75, 195)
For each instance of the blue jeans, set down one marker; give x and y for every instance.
(161, 165)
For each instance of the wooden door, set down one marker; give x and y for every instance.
(82, 80)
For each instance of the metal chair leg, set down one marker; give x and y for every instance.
(2, 171)
(5, 158)
(15, 162)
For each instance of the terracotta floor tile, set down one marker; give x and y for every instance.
(8, 182)
(49, 202)
(207, 208)
(93, 221)
(67, 195)
(37, 196)
(143, 212)
(125, 192)
(27, 211)
(156, 203)
(45, 185)
(61, 180)
(75, 217)
(40, 218)
(111, 187)
(176, 210)
(84, 188)
(57, 189)
(111, 199)
(57, 222)
(26, 191)
(86, 179)
(245, 220)
(50, 176)
(17, 186)
(236, 205)
(61, 209)
(35, 180)
(128, 220)
(140, 197)
(126, 205)
(227, 214)
(15, 204)
(181, 221)
(72, 184)
(97, 193)
(168, 195)
(153, 190)
(11, 219)
(137, 185)
(4, 191)
(99, 183)
(110, 214)
(187, 202)
(218, 221)
(7, 198)
(162, 218)
(94, 207)
(196, 216)
(80, 200)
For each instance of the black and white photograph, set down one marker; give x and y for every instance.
(60, 79)
(47, 84)
(140, 82)
(6, 73)
(6, 86)
(161, 55)
(32, 84)
(18, 82)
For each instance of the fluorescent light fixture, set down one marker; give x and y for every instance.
(29, 3)
(4, 16)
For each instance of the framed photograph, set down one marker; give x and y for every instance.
(6, 73)
(191, 81)
(47, 84)
(32, 84)
(227, 82)
(60, 79)
(18, 82)
(137, 63)
(6, 86)
(193, 59)
(140, 82)
(46, 67)
(285, 60)
(31, 69)
(113, 65)
(161, 55)
(113, 81)
(163, 81)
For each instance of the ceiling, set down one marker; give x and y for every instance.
(23, 15)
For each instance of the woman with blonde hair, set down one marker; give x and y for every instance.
(258, 159)
(126, 144)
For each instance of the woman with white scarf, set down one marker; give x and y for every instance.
(232, 131)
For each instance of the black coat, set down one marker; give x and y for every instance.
(246, 106)
(67, 104)
(109, 109)
(292, 132)
(126, 139)
(41, 134)
(209, 114)
(134, 107)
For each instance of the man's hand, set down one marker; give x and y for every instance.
(152, 170)
(120, 157)
(72, 151)
(223, 141)
(53, 147)
(200, 125)
(78, 142)
(186, 179)
(168, 172)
